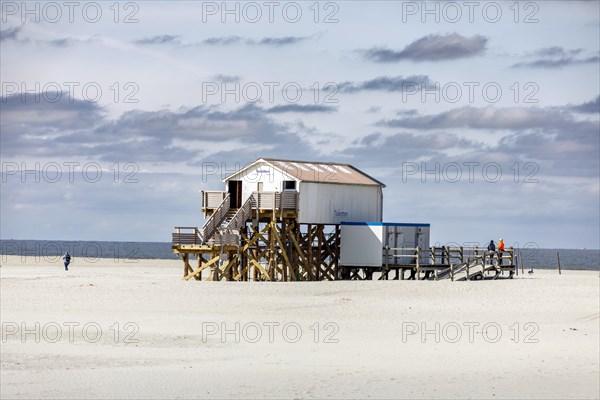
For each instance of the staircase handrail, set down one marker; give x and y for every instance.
(242, 214)
(214, 221)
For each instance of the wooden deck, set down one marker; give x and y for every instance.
(264, 202)
(445, 262)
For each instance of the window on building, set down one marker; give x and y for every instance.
(289, 185)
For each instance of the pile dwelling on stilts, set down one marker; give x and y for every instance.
(282, 220)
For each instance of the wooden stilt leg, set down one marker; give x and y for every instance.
(199, 276)
(186, 269)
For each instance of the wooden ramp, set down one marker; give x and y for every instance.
(474, 270)
(469, 271)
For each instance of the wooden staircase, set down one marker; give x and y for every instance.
(215, 221)
(229, 216)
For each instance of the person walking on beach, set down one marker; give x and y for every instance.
(492, 248)
(67, 260)
(500, 250)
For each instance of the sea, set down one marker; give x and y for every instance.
(52, 251)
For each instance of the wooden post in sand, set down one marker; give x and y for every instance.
(387, 267)
(468, 262)
(186, 269)
(513, 261)
(418, 265)
(522, 263)
(558, 260)
(199, 276)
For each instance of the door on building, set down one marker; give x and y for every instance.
(420, 238)
(235, 194)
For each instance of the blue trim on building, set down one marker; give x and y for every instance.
(383, 224)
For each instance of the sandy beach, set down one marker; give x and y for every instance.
(135, 330)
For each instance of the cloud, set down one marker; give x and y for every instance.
(50, 109)
(369, 139)
(590, 107)
(10, 33)
(281, 41)
(226, 78)
(267, 41)
(80, 129)
(222, 40)
(557, 63)
(567, 153)
(385, 84)
(64, 42)
(431, 48)
(556, 51)
(551, 137)
(556, 57)
(489, 118)
(302, 108)
(412, 112)
(377, 150)
(158, 40)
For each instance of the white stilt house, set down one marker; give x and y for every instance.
(320, 192)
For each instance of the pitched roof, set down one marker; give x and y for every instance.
(323, 172)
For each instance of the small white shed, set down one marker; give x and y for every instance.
(328, 193)
(364, 243)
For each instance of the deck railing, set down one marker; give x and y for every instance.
(186, 235)
(287, 200)
(446, 255)
(447, 261)
(212, 199)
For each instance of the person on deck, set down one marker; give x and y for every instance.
(492, 248)
(500, 250)
(67, 260)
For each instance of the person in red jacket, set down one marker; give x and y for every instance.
(500, 250)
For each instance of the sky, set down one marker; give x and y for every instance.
(482, 118)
